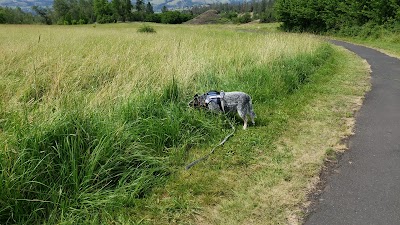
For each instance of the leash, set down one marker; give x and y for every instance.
(212, 150)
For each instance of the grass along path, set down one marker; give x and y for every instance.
(389, 45)
(386, 40)
(262, 175)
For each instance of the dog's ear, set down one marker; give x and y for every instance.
(196, 95)
(192, 102)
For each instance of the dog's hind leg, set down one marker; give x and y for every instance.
(252, 116)
(245, 122)
(243, 115)
(251, 113)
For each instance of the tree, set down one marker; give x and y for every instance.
(45, 13)
(16, 16)
(263, 6)
(140, 5)
(149, 8)
(121, 9)
(100, 7)
(323, 15)
(127, 8)
(118, 10)
(73, 11)
(164, 9)
(102, 11)
(301, 15)
(61, 9)
(2, 15)
(85, 8)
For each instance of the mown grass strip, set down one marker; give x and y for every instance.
(316, 126)
(272, 189)
(263, 174)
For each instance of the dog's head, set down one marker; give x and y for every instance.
(198, 101)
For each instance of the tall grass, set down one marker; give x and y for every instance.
(87, 161)
(92, 119)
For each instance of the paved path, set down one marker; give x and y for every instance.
(366, 188)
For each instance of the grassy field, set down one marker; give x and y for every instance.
(94, 126)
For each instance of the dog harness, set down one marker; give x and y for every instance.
(216, 97)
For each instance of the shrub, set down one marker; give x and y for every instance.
(146, 29)
(81, 21)
(267, 17)
(229, 15)
(245, 18)
(104, 19)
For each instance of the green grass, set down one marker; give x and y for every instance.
(388, 44)
(99, 131)
(79, 161)
(383, 37)
(262, 175)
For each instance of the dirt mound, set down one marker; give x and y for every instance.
(208, 17)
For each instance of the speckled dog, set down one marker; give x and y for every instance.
(226, 102)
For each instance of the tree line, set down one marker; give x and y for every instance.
(71, 12)
(105, 11)
(335, 15)
(17, 16)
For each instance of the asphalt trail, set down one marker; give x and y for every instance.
(366, 187)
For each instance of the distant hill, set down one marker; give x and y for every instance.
(157, 4)
(208, 17)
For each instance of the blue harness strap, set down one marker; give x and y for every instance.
(215, 96)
